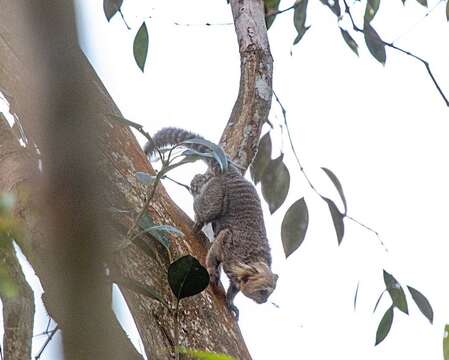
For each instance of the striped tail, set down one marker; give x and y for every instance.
(170, 136)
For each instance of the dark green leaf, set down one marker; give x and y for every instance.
(275, 183)
(334, 5)
(262, 158)
(396, 292)
(187, 277)
(374, 43)
(217, 151)
(299, 20)
(270, 6)
(422, 2)
(337, 219)
(140, 46)
(371, 9)
(422, 303)
(294, 226)
(384, 325)
(145, 178)
(141, 289)
(111, 7)
(446, 343)
(338, 186)
(350, 41)
(203, 355)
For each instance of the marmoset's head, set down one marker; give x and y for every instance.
(256, 281)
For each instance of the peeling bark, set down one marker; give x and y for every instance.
(205, 321)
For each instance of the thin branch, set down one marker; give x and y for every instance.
(123, 18)
(203, 24)
(277, 12)
(284, 114)
(177, 182)
(406, 52)
(50, 336)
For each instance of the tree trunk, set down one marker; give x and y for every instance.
(205, 321)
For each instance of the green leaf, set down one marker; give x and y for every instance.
(145, 178)
(261, 159)
(396, 292)
(422, 2)
(294, 226)
(187, 277)
(203, 355)
(337, 219)
(447, 10)
(374, 43)
(378, 300)
(217, 151)
(350, 41)
(140, 46)
(371, 9)
(270, 6)
(422, 303)
(111, 7)
(299, 20)
(165, 228)
(147, 224)
(384, 326)
(334, 5)
(275, 183)
(338, 186)
(141, 289)
(446, 342)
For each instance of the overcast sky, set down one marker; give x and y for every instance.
(382, 130)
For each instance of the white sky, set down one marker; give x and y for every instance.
(382, 130)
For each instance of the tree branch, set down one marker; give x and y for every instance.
(406, 52)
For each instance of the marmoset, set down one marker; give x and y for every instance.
(231, 204)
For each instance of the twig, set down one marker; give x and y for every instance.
(406, 52)
(177, 182)
(50, 336)
(284, 114)
(123, 18)
(140, 129)
(204, 24)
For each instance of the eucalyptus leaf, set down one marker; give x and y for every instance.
(140, 46)
(356, 295)
(147, 225)
(337, 219)
(187, 277)
(374, 43)
(447, 11)
(334, 5)
(217, 151)
(203, 355)
(145, 178)
(111, 7)
(270, 6)
(299, 20)
(350, 41)
(396, 292)
(371, 9)
(7, 202)
(165, 228)
(294, 226)
(262, 158)
(422, 303)
(384, 326)
(275, 183)
(338, 186)
(422, 2)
